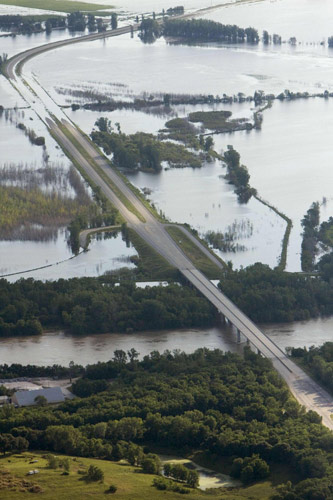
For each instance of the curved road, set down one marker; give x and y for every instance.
(306, 391)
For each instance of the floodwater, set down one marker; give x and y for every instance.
(61, 348)
(206, 68)
(203, 199)
(282, 157)
(12, 45)
(290, 161)
(57, 260)
(307, 20)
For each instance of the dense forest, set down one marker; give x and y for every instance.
(268, 295)
(88, 305)
(93, 305)
(234, 409)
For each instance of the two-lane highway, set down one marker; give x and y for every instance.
(306, 391)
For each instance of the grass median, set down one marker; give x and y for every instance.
(151, 265)
(193, 252)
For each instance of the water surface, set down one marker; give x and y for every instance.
(61, 348)
(103, 255)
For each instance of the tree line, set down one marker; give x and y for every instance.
(268, 295)
(319, 361)
(234, 409)
(75, 21)
(310, 224)
(208, 31)
(238, 175)
(88, 305)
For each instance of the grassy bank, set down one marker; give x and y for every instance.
(57, 5)
(199, 259)
(151, 265)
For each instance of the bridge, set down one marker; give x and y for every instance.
(95, 165)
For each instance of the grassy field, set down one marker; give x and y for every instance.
(130, 482)
(57, 5)
(199, 259)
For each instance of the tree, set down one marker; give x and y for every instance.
(91, 23)
(134, 454)
(265, 37)
(63, 438)
(104, 124)
(21, 444)
(7, 443)
(52, 462)
(111, 489)
(40, 400)
(167, 469)
(277, 40)
(71, 367)
(94, 473)
(151, 464)
(193, 478)
(65, 464)
(3, 58)
(120, 357)
(100, 430)
(149, 30)
(114, 21)
(76, 21)
(133, 355)
(209, 142)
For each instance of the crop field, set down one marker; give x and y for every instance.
(57, 5)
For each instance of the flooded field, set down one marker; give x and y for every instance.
(203, 199)
(54, 260)
(309, 22)
(280, 157)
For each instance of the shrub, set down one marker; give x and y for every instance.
(111, 489)
(94, 473)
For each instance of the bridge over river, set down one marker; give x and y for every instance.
(80, 149)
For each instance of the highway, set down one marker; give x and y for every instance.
(305, 390)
